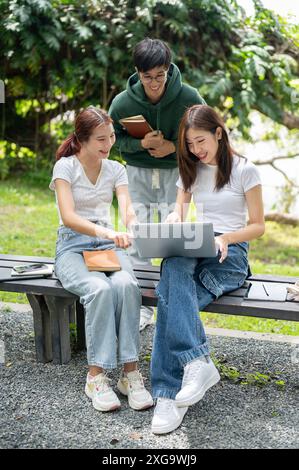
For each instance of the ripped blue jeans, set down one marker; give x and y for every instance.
(186, 287)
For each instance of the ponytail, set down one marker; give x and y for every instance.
(69, 147)
(86, 121)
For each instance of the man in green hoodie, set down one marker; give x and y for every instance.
(157, 93)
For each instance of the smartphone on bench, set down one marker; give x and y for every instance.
(24, 268)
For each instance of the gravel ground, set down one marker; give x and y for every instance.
(44, 406)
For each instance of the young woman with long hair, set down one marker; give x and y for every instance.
(84, 181)
(226, 186)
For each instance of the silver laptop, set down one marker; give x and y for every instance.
(162, 240)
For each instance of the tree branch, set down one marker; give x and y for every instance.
(282, 219)
(290, 121)
(292, 183)
(272, 160)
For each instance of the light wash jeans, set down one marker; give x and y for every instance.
(112, 301)
(187, 286)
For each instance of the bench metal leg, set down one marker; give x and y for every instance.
(42, 328)
(60, 325)
(80, 314)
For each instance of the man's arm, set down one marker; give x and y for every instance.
(169, 147)
(124, 142)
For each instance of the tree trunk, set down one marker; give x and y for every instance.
(285, 219)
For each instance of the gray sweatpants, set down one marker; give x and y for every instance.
(153, 193)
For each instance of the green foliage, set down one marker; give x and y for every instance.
(287, 197)
(14, 158)
(60, 56)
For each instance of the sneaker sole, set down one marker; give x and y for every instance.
(168, 428)
(133, 404)
(200, 394)
(100, 408)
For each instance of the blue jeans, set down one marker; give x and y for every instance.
(112, 301)
(187, 286)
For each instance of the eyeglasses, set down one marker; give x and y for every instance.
(160, 78)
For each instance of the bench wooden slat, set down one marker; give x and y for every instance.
(27, 259)
(146, 275)
(272, 278)
(271, 310)
(10, 263)
(237, 306)
(37, 286)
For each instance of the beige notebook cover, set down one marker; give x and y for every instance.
(101, 260)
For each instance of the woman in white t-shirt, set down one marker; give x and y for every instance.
(224, 187)
(84, 181)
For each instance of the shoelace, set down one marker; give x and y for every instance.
(136, 381)
(102, 383)
(190, 372)
(164, 406)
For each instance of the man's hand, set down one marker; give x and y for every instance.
(165, 149)
(152, 140)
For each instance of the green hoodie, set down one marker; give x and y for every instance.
(164, 115)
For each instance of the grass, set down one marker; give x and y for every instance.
(29, 222)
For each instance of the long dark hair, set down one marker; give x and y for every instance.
(86, 121)
(204, 117)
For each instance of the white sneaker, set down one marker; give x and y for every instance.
(99, 391)
(167, 416)
(199, 376)
(146, 317)
(131, 384)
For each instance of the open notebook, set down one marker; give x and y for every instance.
(268, 291)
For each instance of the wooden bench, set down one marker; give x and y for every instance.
(54, 307)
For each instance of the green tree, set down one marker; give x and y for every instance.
(62, 55)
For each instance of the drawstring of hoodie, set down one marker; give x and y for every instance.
(158, 117)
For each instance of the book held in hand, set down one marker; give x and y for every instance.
(32, 270)
(136, 126)
(101, 260)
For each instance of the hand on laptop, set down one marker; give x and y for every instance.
(173, 218)
(121, 239)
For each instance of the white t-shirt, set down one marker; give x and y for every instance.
(226, 208)
(92, 201)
